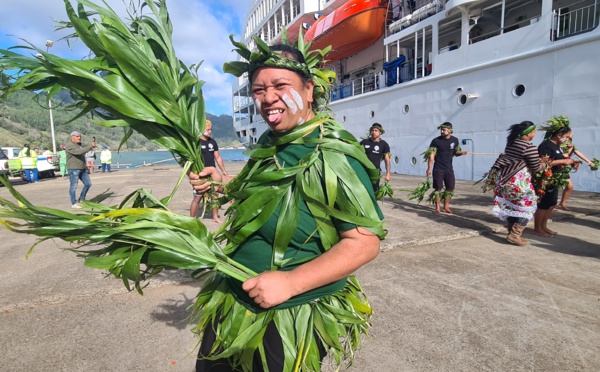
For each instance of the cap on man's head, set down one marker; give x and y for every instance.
(105, 147)
(75, 133)
(26, 145)
(446, 125)
(377, 126)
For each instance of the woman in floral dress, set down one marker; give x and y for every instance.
(515, 200)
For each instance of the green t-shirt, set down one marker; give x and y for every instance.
(257, 251)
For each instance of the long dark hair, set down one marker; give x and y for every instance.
(515, 130)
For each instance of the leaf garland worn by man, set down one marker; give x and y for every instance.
(442, 151)
(307, 238)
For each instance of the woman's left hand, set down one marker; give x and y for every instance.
(269, 288)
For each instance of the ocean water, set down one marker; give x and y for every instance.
(138, 158)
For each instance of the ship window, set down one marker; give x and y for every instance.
(405, 109)
(518, 90)
(396, 159)
(462, 99)
(372, 114)
(344, 119)
(413, 161)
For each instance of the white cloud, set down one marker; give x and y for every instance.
(201, 33)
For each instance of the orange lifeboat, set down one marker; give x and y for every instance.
(350, 28)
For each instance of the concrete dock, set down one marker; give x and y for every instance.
(449, 293)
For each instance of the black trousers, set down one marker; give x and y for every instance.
(273, 351)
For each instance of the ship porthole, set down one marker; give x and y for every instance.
(372, 114)
(405, 109)
(413, 161)
(396, 159)
(518, 90)
(462, 99)
(344, 119)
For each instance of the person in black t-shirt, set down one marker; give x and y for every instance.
(442, 151)
(211, 158)
(377, 150)
(551, 148)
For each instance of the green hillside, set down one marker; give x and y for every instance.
(25, 119)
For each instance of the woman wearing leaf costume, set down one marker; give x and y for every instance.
(568, 149)
(557, 133)
(304, 217)
(515, 198)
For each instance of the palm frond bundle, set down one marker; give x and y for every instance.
(141, 235)
(132, 80)
(420, 191)
(595, 164)
(384, 190)
(427, 153)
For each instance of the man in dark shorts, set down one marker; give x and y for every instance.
(211, 158)
(443, 149)
(377, 150)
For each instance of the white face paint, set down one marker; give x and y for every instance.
(297, 98)
(290, 104)
(257, 104)
(301, 121)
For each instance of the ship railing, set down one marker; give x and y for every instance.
(406, 72)
(475, 37)
(426, 9)
(573, 22)
(358, 86)
(378, 80)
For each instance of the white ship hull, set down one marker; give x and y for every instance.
(519, 74)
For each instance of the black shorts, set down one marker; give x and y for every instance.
(549, 200)
(443, 177)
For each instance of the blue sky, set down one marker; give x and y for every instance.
(201, 31)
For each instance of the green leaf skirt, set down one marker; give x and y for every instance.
(336, 322)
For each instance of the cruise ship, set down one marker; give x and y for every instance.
(479, 64)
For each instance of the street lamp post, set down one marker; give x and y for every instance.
(49, 43)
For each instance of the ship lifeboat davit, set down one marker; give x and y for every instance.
(350, 28)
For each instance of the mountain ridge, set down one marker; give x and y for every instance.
(25, 119)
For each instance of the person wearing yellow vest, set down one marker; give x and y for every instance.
(28, 159)
(62, 158)
(105, 159)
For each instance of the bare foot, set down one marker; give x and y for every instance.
(541, 233)
(563, 207)
(448, 210)
(435, 212)
(550, 231)
(217, 220)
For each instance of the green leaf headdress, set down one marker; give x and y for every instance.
(554, 124)
(264, 56)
